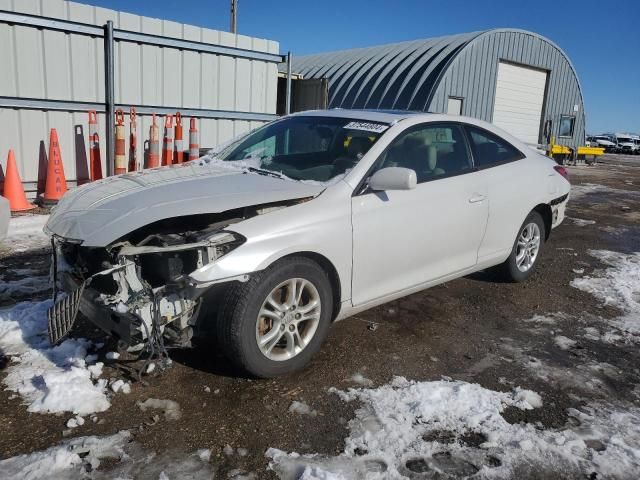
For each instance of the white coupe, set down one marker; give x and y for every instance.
(307, 220)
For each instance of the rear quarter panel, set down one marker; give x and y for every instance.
(515, 189)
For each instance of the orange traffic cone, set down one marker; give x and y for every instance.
(153, 160)
(56, 185)
(179, 143)
(13, 190)
(194, 150)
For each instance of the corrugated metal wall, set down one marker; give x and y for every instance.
(472, 76)
(55, 65)
(423, 74)
(398, 75)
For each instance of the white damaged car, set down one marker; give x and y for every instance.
(307, 220)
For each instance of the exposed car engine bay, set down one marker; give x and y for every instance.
(138, 290)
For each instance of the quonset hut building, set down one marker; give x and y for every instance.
(518, 80)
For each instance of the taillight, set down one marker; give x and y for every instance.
(562, 171)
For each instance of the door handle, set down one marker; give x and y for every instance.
(476, 198)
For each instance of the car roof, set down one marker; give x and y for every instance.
(394, 116)
(384, 116)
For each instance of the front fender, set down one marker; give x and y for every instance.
(321, 226)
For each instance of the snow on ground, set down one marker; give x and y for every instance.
(581, 222)
(80, 458)
(170, 408)
(579, 191)
(617, 231)
(66, 459)
(594, 379)
(302, 409)
(456, 428)
(27, 285)
(361, 380)
(564, 343)
(617, 285)
(49, 379)
(25, 232)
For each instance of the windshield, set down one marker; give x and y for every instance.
(306, 148)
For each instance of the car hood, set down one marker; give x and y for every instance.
(101, 212)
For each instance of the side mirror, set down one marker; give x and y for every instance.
(393, 178)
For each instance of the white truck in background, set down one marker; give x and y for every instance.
(602, 141)
(626, 143)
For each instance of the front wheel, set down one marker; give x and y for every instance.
(274, 323)
(526, 250)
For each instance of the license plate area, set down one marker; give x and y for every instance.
(62, 315)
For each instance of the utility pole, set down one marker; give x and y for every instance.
(234, 16)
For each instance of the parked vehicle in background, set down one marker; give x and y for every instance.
(636, 143)
(309, 219)
(625, 144)
(602, 141)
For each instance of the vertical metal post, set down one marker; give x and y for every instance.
(287, 109)
(234, 16)
(109, 96)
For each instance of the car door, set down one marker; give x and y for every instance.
(405, 238)
(511, 188)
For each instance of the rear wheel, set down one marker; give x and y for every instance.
(526, 250)
(274, 323)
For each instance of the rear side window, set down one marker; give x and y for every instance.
(489, 149)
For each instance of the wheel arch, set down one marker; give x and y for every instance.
(334, 278)
(546, 213)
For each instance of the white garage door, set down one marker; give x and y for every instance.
(519, 101)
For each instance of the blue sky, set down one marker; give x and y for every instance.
(601, 38)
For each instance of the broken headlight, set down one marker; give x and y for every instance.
(163, 264)
(224, 242)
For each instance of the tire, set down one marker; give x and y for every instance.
(240, 328)
(514, 269)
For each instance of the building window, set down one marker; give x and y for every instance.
(454, 106)
(567, 122)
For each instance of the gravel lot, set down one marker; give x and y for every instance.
(543, 335)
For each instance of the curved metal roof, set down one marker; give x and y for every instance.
(387, 76)
(396, 76)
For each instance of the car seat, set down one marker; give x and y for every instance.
(356, 149)
(432, 162)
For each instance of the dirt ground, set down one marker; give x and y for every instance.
(471, 329)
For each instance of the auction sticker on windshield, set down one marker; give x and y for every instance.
(367, 126)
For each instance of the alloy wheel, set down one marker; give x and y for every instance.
(288, 319)
(528, 246)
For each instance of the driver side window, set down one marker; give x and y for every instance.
(432, 151)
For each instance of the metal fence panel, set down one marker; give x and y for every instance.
(50, 63)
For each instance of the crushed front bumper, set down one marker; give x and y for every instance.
(81, 298)
(121, 304)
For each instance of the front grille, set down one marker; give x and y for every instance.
(62, 315)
